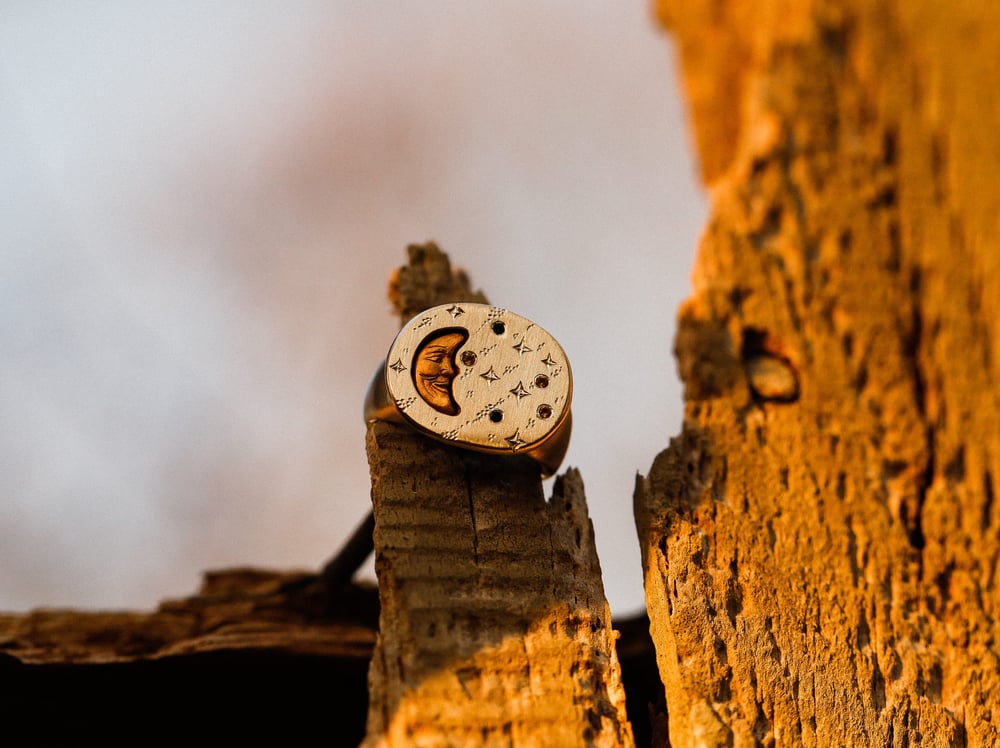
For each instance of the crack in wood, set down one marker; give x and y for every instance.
(472, 514)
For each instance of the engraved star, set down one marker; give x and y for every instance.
(399, 367)
(455, 311)
(521, 348)
(549, 361)
(515, 441)
(490, 376)
(519, 391)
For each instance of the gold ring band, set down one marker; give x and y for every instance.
(478, 377)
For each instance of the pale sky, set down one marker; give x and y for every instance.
(200, 205)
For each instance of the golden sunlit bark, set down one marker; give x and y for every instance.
(821, 542)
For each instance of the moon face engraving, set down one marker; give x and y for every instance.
(463, 385)
(434, 369)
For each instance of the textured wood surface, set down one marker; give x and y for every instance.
(821, 542)
(252, 651)
(494, 627)
(236, 609)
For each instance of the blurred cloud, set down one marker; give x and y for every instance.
(199, 208)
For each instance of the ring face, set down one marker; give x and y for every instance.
(480, 376)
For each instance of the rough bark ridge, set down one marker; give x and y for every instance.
(821, 543)
(494, 628)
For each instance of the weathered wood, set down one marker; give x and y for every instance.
(494, 627)
(427, 280)
(293, 613)
(822, 541)
(260, 640)
(277, 642)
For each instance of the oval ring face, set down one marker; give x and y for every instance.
(481, 376)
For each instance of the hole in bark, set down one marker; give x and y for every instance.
(892, 468)
(884, 199)
(737, 296)
(878, 688)
(769, 227)
(845, 241)
(939, 168)
(861, 378)
(955, 469)
(847, 344)
(942, 580)
(835, 38)
(889, 147)
(987, 498)
(753, 342)
(734, 602)
(772, 379)
(894, 262)
(864, 631)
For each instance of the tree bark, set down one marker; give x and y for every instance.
(821, 542)
(494, 627)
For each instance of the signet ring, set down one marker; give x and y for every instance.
(478, 377)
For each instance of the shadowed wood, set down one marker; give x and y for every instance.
(257, 639)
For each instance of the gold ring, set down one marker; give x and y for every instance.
(478, 377)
